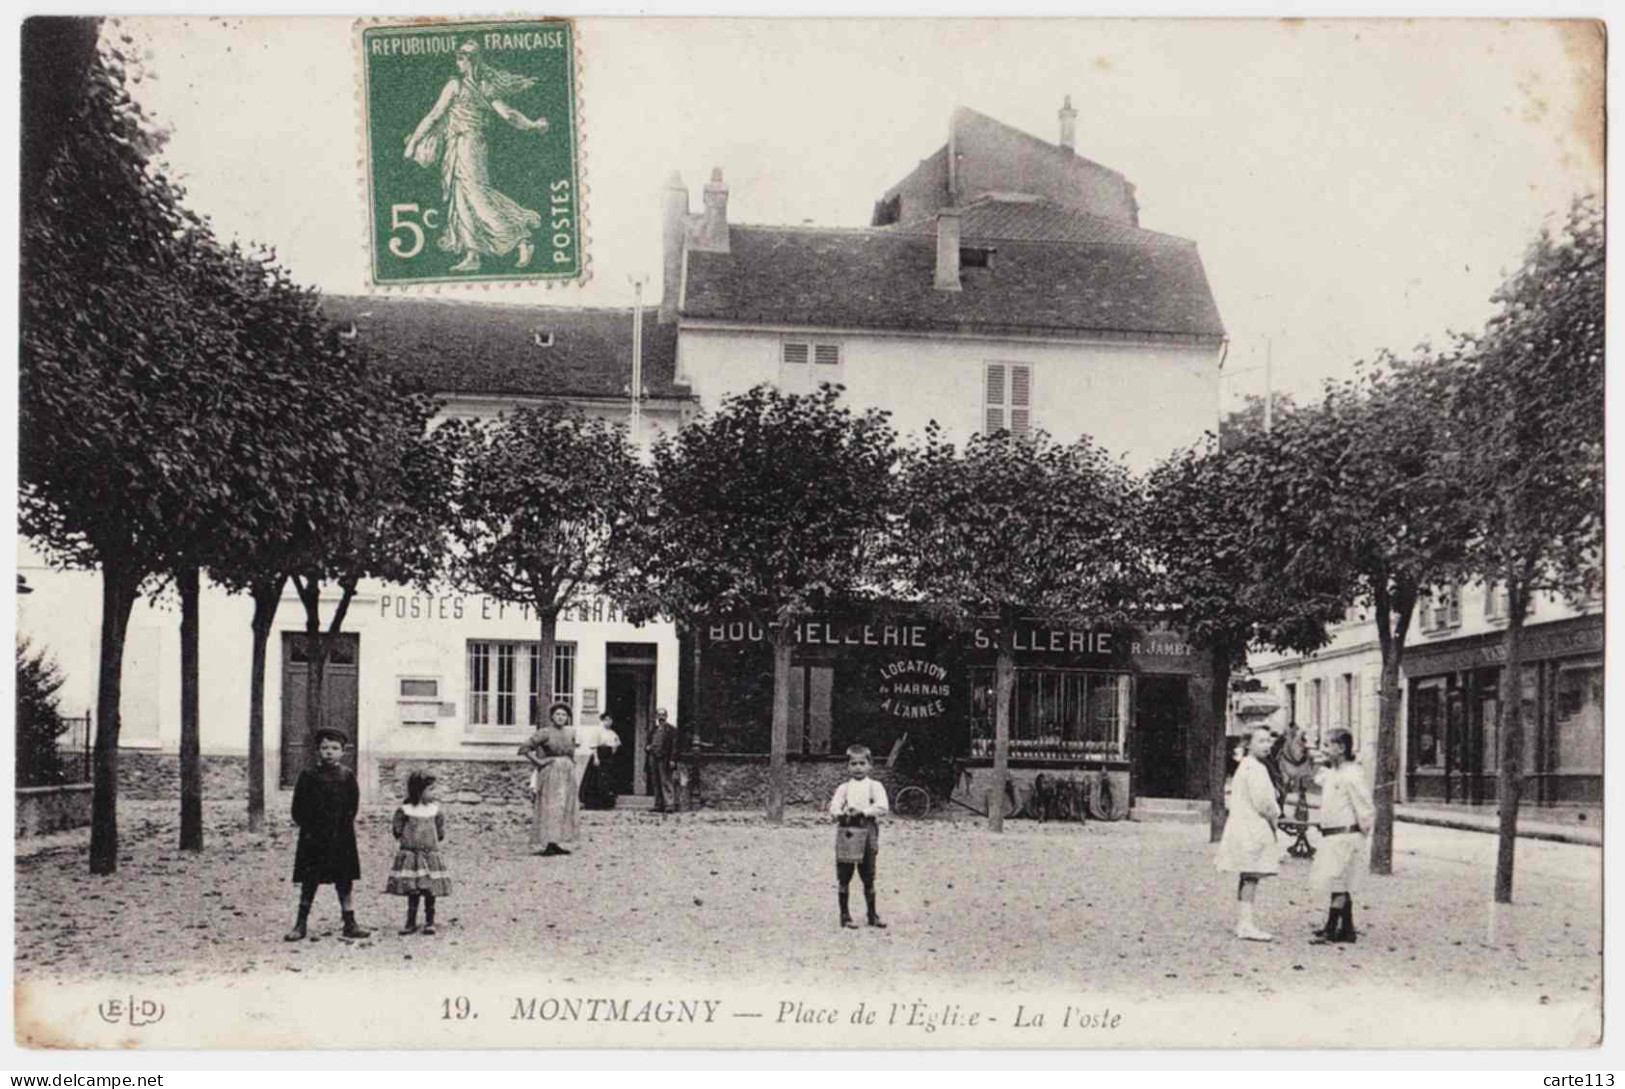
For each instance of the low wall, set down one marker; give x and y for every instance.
(52, 808)
(468, 782)
(740, 781)
(156, 776)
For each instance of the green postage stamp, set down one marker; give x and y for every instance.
(472, 152)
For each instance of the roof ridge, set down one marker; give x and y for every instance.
(476, 304)
(1041, 142)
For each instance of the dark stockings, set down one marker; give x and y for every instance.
(866, 872)
(412, 912)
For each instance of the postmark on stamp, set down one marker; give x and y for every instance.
(472, 152)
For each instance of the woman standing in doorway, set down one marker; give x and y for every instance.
(1248, 847)
(551, 750)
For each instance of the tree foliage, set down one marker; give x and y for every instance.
(39, 717)
(1014, 527)
(1364, 500)
(773, 506)
(544, 501)
(1531, 415)
(1210, 579)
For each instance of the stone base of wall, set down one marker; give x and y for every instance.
(53, 808)
(155, 776)
(468, 782)
(740, 782)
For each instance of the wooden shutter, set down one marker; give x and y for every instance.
(1021, 399)
(795, 374)
(827, 355)
(993, 399)
(1454, 599)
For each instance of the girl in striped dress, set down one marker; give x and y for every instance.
(418, 871)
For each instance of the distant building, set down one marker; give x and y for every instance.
(1450, 690)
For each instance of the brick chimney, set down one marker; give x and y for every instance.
(673, 235)
(1069, 126)
(948, 249)
(712, 233)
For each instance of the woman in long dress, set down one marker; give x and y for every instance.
(551, 750)
(479, 218)
(1248, 847)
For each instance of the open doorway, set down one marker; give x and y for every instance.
(629, 695)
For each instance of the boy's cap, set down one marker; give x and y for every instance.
(329, 733)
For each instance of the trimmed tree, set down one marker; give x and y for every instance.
(1532, 427)
(1015, 528)
(543, 501)
(110, 330)
(1360, 498)
(1207, 577)
(773, 506)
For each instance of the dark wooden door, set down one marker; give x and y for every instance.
(1161, 725)
(629, 696)
(339, 691)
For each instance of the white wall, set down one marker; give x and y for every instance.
(1139, 400)
(63, 614)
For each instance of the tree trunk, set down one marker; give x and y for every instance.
(1218, 764)
(780, 635)
(1509, 788)
(186, 581)
(119, 589)
(267, 596)
(1387, 769)
(547, 640)
(1005, 683)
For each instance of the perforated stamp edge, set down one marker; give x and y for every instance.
(363, 160)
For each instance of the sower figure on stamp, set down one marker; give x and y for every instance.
(479, 218)
(325, 801)
(658, 760)
(1346, 819)
(857, 807)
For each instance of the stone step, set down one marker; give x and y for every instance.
(1194, 805)
(1167, 816)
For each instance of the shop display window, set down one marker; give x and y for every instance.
(1578, 739)
(1055, 713)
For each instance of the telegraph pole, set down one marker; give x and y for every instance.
(637, 359)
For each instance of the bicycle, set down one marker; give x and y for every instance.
(937, 777)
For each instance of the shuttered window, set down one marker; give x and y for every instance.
(1007, 398)
(804, 365)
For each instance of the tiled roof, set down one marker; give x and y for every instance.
(458, 347)
(883, 279)
(1033, 219)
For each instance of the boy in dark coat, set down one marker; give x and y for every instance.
(325, 800)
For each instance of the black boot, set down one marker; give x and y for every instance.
(1334, 920)
(352, 929)
(1345, 930)
(297, 934)
(411, 926)
(869, 899)
(428, 914)
(846, 911)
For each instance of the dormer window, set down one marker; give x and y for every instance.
(975, 257)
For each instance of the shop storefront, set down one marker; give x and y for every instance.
(1454, 713)
(1133, 703)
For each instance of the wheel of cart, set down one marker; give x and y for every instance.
(912, 801)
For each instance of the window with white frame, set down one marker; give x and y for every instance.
(1498, 603)
(504, 690)
(1007, 398)
(1440, 609)
(804, 365)
(1347, 705)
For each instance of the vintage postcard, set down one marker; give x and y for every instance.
(1002, 534)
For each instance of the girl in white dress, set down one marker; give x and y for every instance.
(1249, 848)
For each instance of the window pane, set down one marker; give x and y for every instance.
(479, 684)
(564, 673)
(506, 676)
(1427, 725)
(1579, 719)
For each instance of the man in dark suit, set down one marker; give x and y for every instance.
(659, 759)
